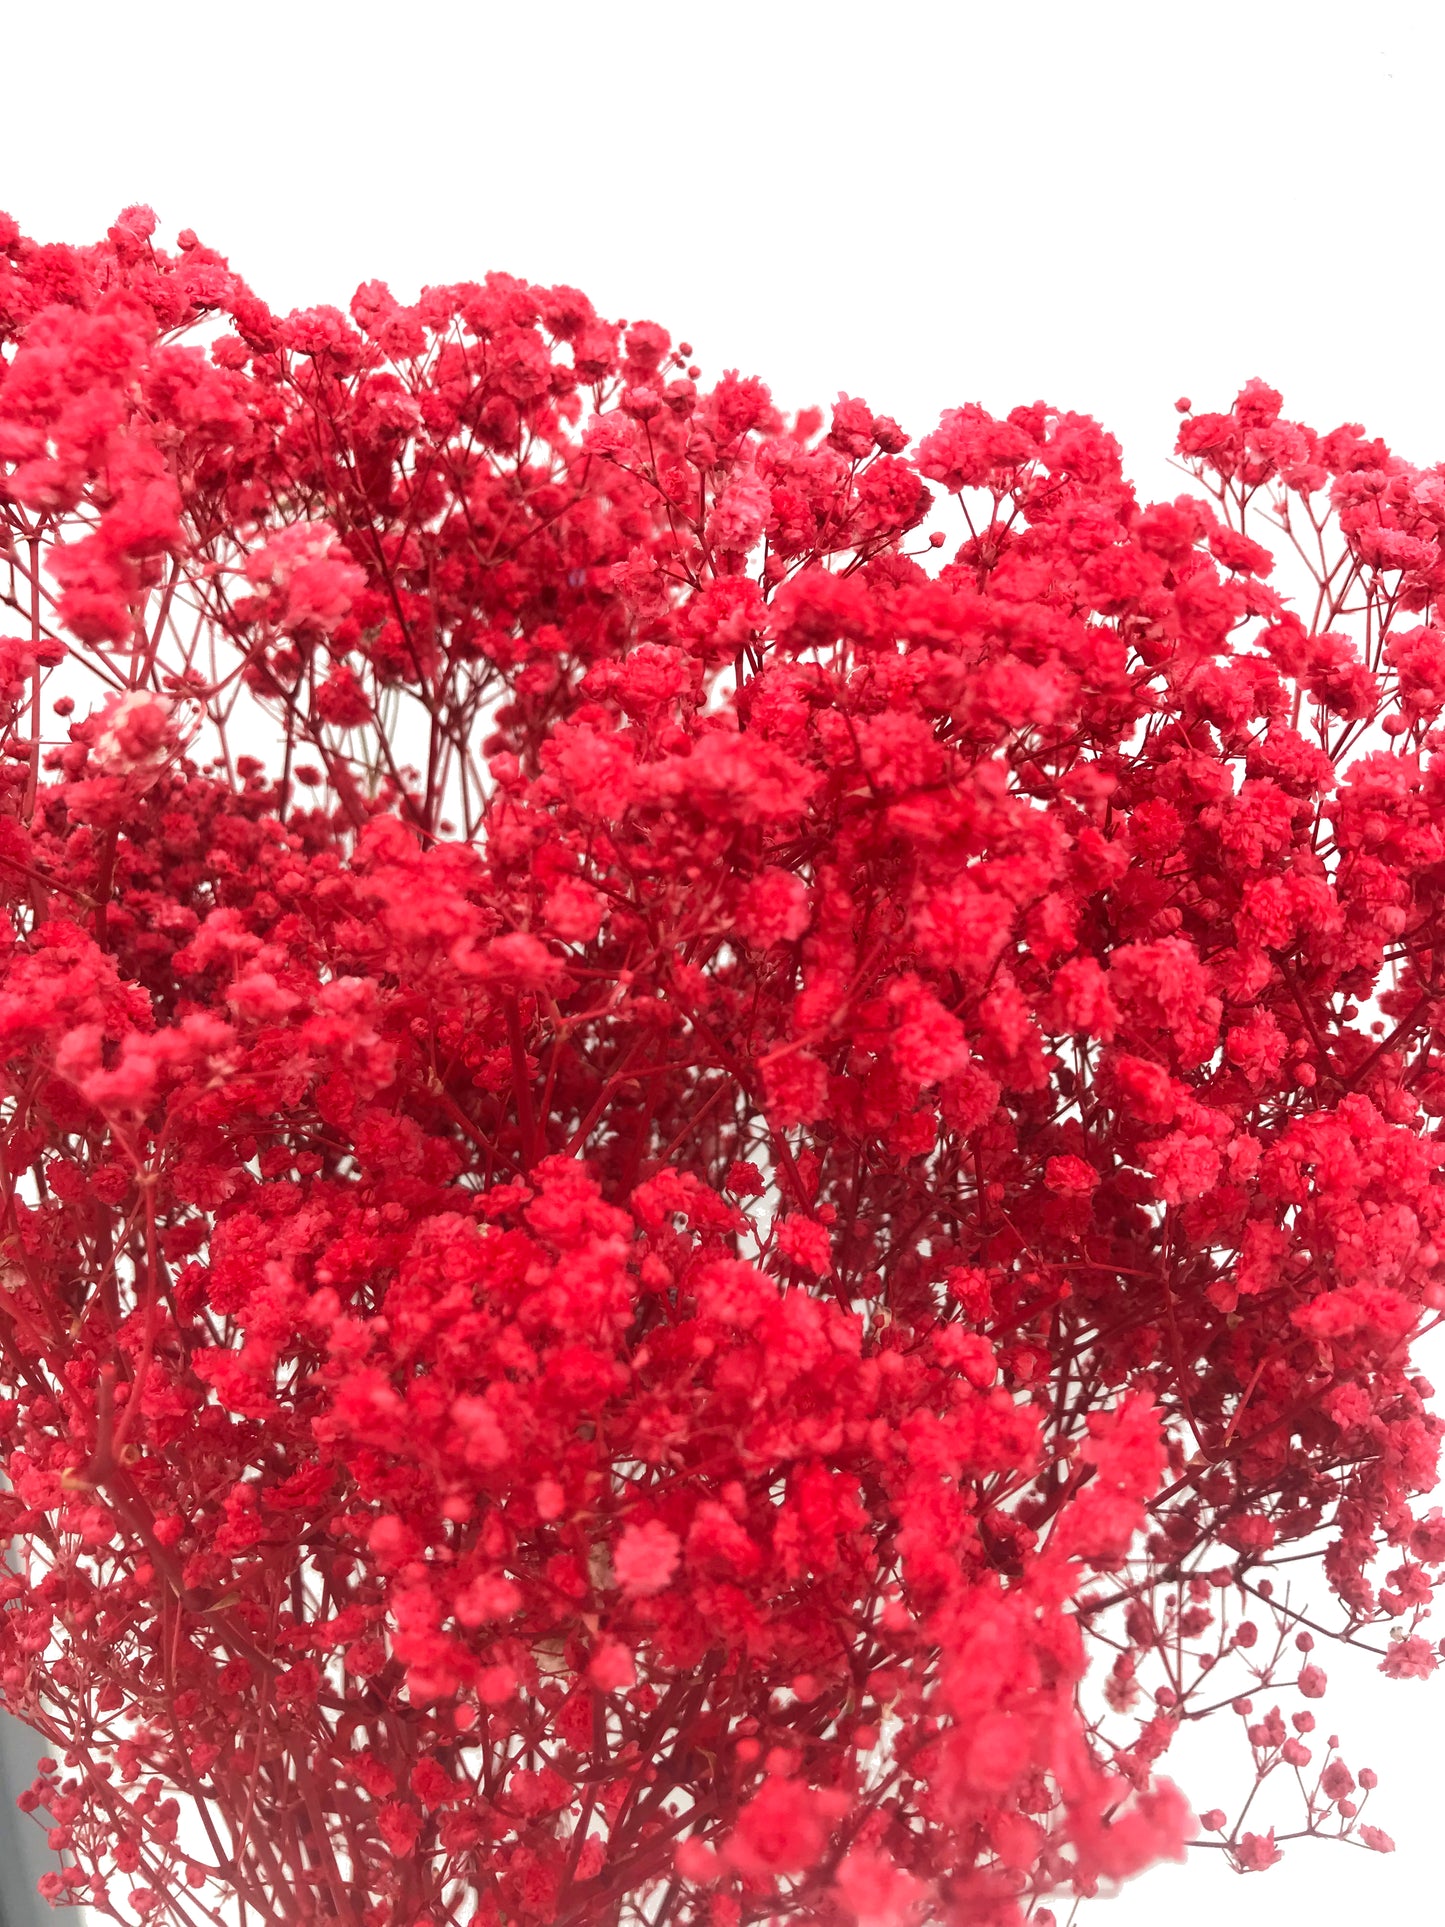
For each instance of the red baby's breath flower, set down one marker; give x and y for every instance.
(645, 1558)
(691, 1201)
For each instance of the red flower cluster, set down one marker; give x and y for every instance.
(663, 1168)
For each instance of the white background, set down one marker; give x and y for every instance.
(1102, 205)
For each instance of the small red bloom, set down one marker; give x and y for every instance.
(645, 1558)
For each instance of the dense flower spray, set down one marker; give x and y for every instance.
(690, 1199)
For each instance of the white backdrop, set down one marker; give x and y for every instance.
(1103, 205)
